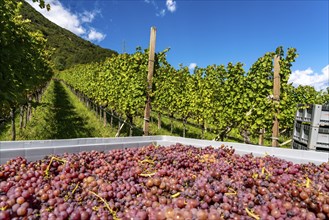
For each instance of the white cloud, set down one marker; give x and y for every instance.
(161, 13)
(153, 3)
(93, 35)
(309, 77)
(171, 5)
(61, 16)
(71, 21)
(192, 66)
(89, 16)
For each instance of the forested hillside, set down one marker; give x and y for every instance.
(69, 49)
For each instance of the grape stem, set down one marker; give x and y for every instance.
(3, 208)
(51, 161)
(175, 195)
(308, 182)
(147, 174)
(268, 173)
(155, 145)
(113, 213)
(75, 188)
(231, 192)
(252, 214)
(147, 161)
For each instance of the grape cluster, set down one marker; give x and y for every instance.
(155, 182)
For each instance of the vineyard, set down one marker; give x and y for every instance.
(24, 66)
(218, 97)
(59, 115)
(101, 178)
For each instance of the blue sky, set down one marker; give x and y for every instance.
(207, 32)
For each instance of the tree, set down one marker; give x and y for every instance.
(24, 64)
(42, 4)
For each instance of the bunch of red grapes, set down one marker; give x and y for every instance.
(155, 182)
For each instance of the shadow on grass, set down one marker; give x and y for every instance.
(177, 130)
(125, 131)
(67, 123)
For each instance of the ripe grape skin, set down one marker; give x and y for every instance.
(180, 182)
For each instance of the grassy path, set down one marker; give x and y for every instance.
(61, 115)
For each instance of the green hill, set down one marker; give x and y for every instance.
(69, 49)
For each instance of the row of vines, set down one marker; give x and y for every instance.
(218, 96)
(24, 64)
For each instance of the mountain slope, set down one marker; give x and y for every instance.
(68, 49)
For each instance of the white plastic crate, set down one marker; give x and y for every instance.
(299, 146)
(313, 137)
(322, 119)
(322, 140)
(300, 114)
(311, 127)
(305, 134)
(297, 130)
(308, 114)
(315, 115)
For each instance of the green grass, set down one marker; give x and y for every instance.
(193, 131)
(60, 116)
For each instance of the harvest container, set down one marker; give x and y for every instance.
(298, 146)
(34, 150)
(315, 115)
(311, 128)
(297, 131)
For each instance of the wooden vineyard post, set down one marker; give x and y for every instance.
(104, 117)
(184, 126)
(13, 128)
(100, 113)
(29, 109)
(21, 116)
(261, 137)
(111, 120)
(147, 112)
(276, 100)
(25, 118)
(159, 120)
